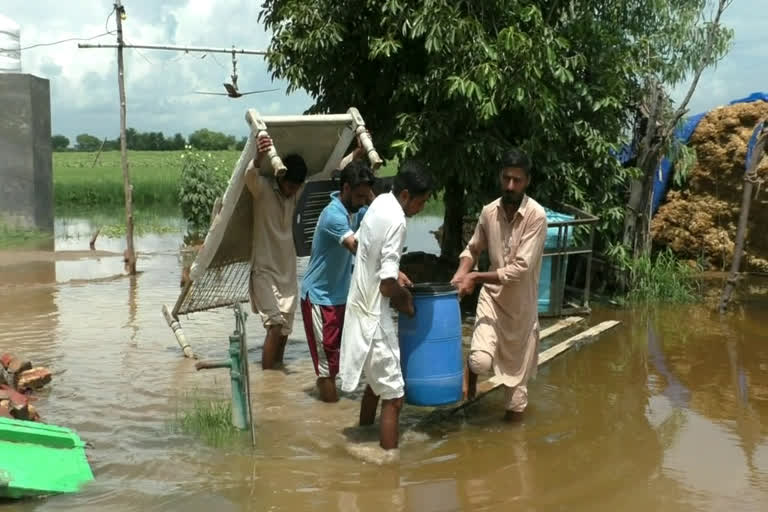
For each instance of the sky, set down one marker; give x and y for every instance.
(160, 85)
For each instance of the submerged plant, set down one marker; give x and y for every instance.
(664, 278)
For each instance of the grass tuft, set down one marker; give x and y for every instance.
(661, 279)
(17, 238)
(207, 419)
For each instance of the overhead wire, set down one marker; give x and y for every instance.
(57, 42)
(53, 43)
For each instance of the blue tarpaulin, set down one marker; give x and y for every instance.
(751, 145)
(755, 96)
(683, 135)
(661, 182)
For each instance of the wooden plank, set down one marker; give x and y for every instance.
(552, 329)
(545, 356)
(590, 333)
(559, 326)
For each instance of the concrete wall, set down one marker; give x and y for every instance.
(26, 167)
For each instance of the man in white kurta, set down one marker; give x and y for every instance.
(369, 342)
(371, 329)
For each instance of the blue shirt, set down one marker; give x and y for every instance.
(329, 272)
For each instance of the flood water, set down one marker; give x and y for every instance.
(668, 411)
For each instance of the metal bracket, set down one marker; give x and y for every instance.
(239, 374)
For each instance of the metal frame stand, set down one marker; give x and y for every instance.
(239, 373)
(559, 254)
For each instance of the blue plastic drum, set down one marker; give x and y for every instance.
(430, 346)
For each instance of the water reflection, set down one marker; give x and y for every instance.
(707, 406)
(28, 311)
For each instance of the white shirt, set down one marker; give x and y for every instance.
(368, 314)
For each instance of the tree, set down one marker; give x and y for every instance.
(455, 83)
(177, 143)
(206, 139)
(86, 142)
(132, 140)
(706, 42)
(59, 142)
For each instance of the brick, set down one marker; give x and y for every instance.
(6, 359)
(14, 395)
(20, 412)
(33, 414)
(18, 365)
(35, 378)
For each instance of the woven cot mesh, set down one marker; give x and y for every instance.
(221, 271)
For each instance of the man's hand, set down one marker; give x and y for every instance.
(403, 302)
(359, 151)
(457, 277)
(404, 281)
(400, 298)
(465, 283)
(265, 143)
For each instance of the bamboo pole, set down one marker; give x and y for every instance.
(98, 154)
(749, 177)
(176, 48)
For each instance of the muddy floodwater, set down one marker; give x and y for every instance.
(668, 411)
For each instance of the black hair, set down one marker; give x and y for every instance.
(296, 169)
(356, 172)
(413, 177)
(515, 158)
(382, 186)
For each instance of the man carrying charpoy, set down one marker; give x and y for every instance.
(273, 283)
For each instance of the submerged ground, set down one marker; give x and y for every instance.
(668, 411)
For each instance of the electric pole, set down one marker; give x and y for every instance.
(130, 253)
(119, 10)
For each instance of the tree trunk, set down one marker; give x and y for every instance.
(453, 221)
(637, 218)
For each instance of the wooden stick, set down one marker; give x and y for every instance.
(127, 188)
(93, 239)
(486, 387)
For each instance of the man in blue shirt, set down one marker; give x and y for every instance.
(325, 285)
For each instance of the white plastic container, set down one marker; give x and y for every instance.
(10, 43)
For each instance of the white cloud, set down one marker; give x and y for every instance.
(160, 85)
(160, 92)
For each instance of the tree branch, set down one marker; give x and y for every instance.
(705, 61)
